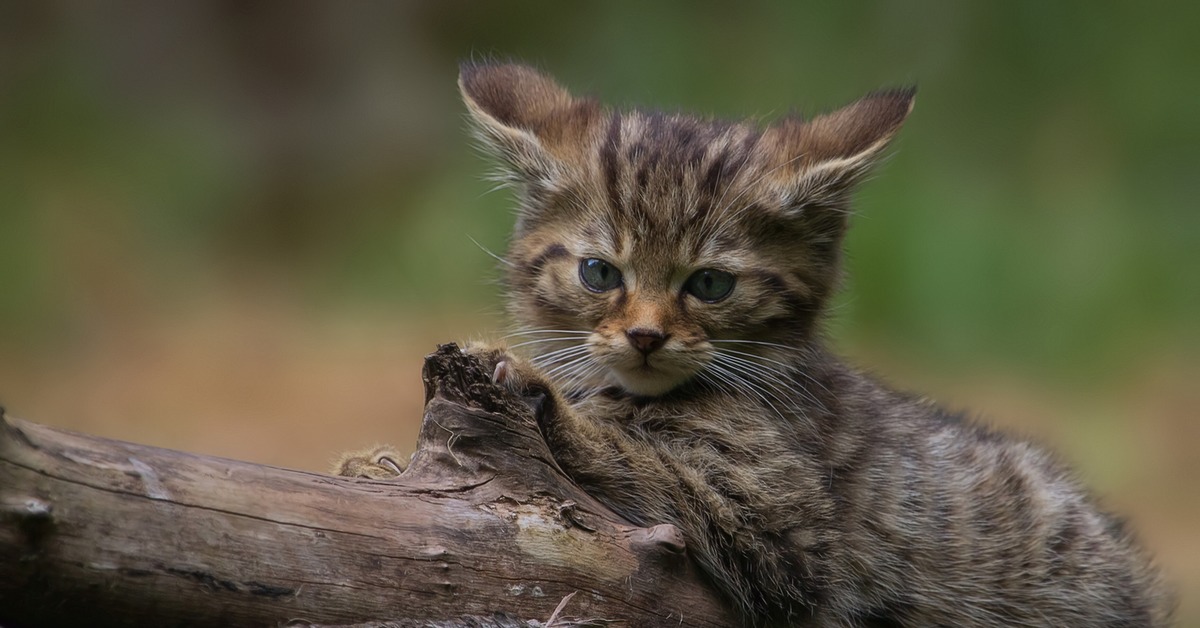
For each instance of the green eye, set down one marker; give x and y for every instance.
(598, 275)
(709, 285)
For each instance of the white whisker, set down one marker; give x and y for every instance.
(757, 342)
(785, 365)
(566, 366)
(558, 355)
(561, 352)
(489, 252)
(766, 381)
(541, 341)
(775, 377)
(789, 349)
(575, 383)
(778, 381)
(525, 332)
(738, 381)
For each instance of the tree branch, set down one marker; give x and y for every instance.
(482, 522)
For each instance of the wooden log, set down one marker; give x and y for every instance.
(109, 533)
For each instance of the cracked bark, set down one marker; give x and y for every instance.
(483, 529)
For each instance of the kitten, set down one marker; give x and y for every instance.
(670, 274)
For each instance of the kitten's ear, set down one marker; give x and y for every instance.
(820, 161)
(527, 119)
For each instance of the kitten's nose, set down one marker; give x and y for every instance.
(646, 340)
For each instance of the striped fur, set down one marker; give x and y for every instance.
(810, 493)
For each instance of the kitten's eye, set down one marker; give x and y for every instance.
(709, 285)
(598, 275)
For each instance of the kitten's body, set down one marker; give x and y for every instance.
(808, 492)
(878, 510)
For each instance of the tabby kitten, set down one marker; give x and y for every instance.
(670, 274)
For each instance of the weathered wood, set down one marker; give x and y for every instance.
(108, 533)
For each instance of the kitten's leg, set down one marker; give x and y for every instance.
(380, 462)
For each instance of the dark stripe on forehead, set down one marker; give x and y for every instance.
(608, 162)
(723, 172)
(643, 175)
(714, 173)
(708, 185)
(737, 166)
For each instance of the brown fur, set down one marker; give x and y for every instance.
(810, 493)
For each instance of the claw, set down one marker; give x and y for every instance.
(501, 373)
(387, 461)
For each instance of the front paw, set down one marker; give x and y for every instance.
(512, 373)
(382, 462)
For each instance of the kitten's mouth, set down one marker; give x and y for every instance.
(647, 380)
(645, 370)
(646, 374)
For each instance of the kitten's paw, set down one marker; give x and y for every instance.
(510, 371)
(381, 462)
(487, 353)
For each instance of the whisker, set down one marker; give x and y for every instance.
(734, 378)
(788, 368)
(558, 355)
(520, 332)
(778, 389)
(489, 252)
(778, 381)
(561, 367)
(785, 365)
(705, 378)
(575, 382)
(758, 342)
(789, 349)
(764, 371)
(715, 379)
(581, 378)
(542, 340)
(560, 352)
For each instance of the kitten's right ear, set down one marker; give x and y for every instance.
(822, 159)
(526, 118)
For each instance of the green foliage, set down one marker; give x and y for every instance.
(1039, 208)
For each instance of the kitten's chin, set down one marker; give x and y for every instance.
(648, 382)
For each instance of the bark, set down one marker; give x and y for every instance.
(483, 529)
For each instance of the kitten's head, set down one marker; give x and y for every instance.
(652, 249)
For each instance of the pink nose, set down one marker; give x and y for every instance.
(646, 340)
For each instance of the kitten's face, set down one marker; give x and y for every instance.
(667, 269)
(652, 250)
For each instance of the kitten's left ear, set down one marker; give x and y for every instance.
(819, 161)
(526, 118)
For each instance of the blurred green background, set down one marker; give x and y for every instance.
(234, 228)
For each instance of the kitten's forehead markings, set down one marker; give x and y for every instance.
(610, 165)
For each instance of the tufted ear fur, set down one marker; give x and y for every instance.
(819, 161)
(533, 124)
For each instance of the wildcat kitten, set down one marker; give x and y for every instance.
(670, 273)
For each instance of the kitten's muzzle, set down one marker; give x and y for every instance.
(646, 340)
